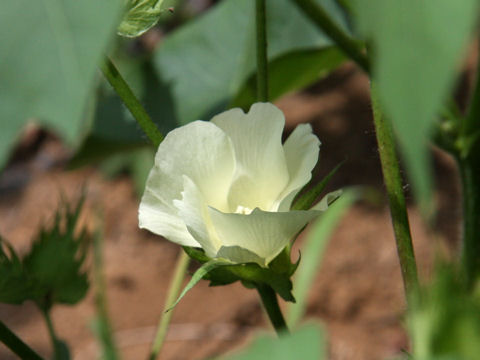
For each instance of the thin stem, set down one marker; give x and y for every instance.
(321, 18)
(396, 198)
(472, 121)
(130, 100)
(14, 343)
(173, 293)
(470, 176)
(262, 59)
(270, 303)
(56, 343)
(103, 328)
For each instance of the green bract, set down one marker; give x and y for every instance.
(227, 185)
(140, 16)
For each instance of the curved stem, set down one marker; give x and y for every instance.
(396, 198)
(130, 100)
(14, 343)
(173, 293)
(270, 303)
(348, 45)
(262, 59)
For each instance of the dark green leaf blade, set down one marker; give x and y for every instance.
(55, 262)
(15, 286)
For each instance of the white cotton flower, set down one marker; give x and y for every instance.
(227, 185)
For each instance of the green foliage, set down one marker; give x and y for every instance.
(222, 272)
(443, 321)
(313, 250)
(209, 61)
(14, 283)
(416, 47)
(50, 50)
(140, 15)
(308, 343)
(52, 271)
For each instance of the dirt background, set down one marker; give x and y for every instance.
(357, 293)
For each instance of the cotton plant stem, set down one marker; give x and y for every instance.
(469, 165)
(121, 87)
(470, 256)
(396, 198)
(16, 345)
(173, 293)
(262, 59)
(270, 303)
(349, 46)
(51, 332)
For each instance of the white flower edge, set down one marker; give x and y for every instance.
(188, 199)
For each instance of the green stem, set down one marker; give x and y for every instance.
(396, 198)
(173, 293)
(103, 328)
(470, 176)
(14, 343)
(130, 100)
(262, 59)
(270, 303)
(56, 343)
(472, 121)
(348, 45)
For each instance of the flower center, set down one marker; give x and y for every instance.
(243, 210)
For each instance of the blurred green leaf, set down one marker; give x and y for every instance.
(313, 250)
(444, 322)
(50, 49)
(208, 61)
(416, 49)
(290, 72)
(55, 262)
(308, 343)
(15, 286)
(140, 16)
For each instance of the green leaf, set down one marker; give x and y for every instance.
(199, 275)
(55, 262)
(249, 273)
(417, 46)
(308, 343)
(15, 287)
(208, 61)
(443, 321)
(313, 250)
(140, 16)
(50, 49)
(290, 72)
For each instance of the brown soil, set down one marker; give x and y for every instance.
(357, 294)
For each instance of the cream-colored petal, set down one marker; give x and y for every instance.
(193, 209)
(158, 216)
(204, 153)
(261, 166)
(301, 153)
(263, 233)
